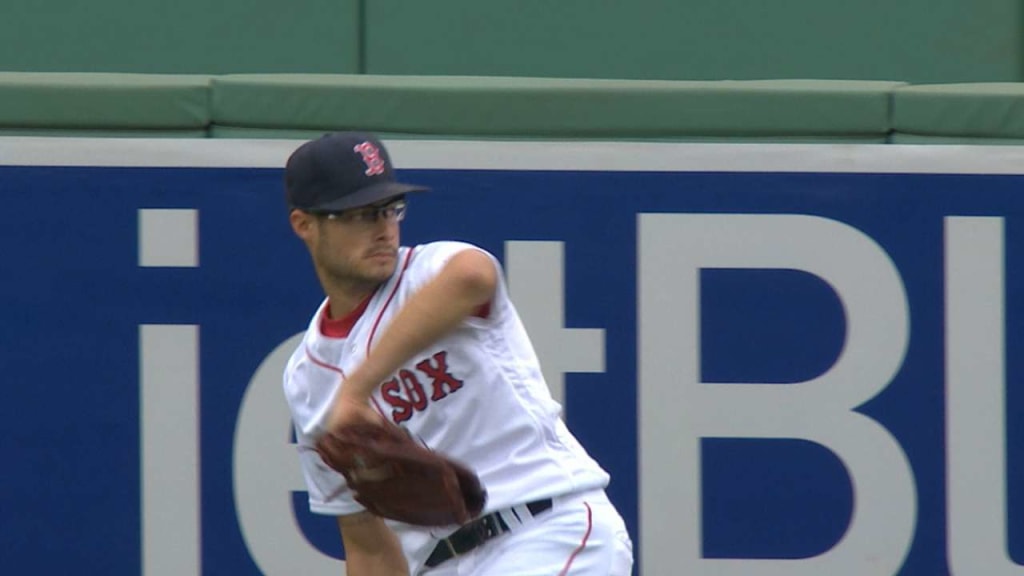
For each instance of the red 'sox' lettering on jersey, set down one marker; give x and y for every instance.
(413, 390)
(401, 408)
(436, 368)
(407, 395)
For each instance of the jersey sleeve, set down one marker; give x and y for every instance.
(328, 493)
(431, 258)
(308, 400)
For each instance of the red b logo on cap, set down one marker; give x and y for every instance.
(371, 157)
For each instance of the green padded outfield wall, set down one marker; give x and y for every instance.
(976, 113)
(305, 105)
(917, 41)
(180, 36)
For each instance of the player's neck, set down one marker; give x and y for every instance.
(344, 293)
(343, 300)
(342, 304)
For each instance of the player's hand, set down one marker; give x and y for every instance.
(349, 410)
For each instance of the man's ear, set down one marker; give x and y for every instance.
(302, 224)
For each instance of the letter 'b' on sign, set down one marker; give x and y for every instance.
(677, 410)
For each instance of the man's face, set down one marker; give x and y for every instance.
(358, 246)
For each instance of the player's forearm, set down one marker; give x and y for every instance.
(467, 282)
(365, 565)
(371, 548)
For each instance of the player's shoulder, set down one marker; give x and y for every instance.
(444, 249)
(432, 256)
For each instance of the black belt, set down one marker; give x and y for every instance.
(477, 532)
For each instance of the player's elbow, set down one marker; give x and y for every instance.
(475, 276)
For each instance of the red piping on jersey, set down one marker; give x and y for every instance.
(322, 364)
(583, 543)
(337, 370)
(376, 323)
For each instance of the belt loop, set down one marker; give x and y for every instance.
(451, 548)
(471, 535)
(520, 514)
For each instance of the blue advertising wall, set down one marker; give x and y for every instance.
(74, 296)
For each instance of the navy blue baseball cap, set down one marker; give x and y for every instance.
(341, 170)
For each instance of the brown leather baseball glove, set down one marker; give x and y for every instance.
(395, 477)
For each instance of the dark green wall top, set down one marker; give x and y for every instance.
(180, 37)
(917, 41)
(910, 40)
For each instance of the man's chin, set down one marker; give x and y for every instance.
(383, 269)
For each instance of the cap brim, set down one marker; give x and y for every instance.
(369, 195)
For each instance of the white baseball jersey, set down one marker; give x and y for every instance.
(477, 395)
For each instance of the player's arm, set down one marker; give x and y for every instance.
(371, 548)
(466, 282)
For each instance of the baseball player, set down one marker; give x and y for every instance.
(427, 338)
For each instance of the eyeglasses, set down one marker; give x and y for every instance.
(393, 212)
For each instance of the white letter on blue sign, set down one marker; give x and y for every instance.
(975, 398)
(169, 407)
(267, 471)
(677, 410)
(536, 284)
(169, 437)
